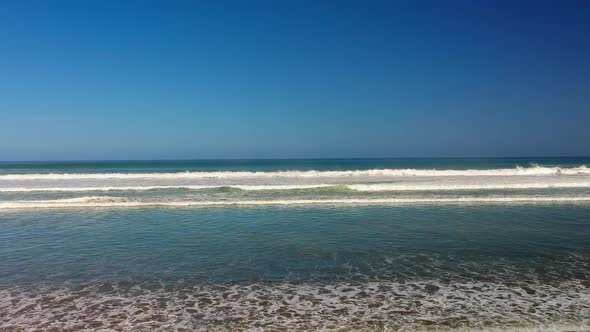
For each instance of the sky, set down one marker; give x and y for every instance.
(148, 79)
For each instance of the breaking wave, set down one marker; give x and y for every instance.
(356, 187)
(518, 171)
(188, 187)
(107, 201)
(451, 187)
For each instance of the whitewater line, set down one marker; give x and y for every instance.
(112, 202)
(518, 171)
(356, 187)
(156, 187)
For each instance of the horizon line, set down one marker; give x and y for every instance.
(282, 158)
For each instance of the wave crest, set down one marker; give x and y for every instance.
(517, 171)
(364, 187)
(107, 201)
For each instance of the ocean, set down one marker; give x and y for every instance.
(303, 245)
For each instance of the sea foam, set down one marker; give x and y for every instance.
(343, 306)
(355, 187)
(119, 202)
(518, 171)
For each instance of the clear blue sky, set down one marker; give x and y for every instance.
(250, 79)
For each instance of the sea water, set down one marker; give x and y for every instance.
(374, 244)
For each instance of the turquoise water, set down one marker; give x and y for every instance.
(305, 244)
(281, 164)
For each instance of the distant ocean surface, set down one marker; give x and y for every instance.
(346, 245)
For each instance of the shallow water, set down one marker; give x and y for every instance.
(490, 257)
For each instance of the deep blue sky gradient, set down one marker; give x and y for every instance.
(284, 79)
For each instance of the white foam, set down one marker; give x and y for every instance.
(342, 306)
(475, 186)
(357, 187)
(518, 171)
(157, 187)
(118, 202)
